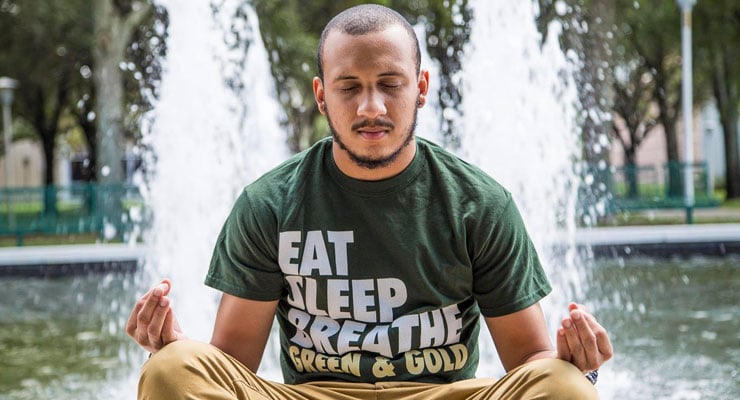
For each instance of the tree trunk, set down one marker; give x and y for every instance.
(115, 22)
(50, 195)
(732, 154)
(668, 120)
(630, 173)
(727, 103)
(46, 125)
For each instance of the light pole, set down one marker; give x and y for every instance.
(7, 86)
(687, 105)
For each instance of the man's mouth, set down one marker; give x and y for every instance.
(373, 133)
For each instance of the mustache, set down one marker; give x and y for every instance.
(377, 122)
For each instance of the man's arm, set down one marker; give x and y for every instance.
(242, 327)
(521, 336)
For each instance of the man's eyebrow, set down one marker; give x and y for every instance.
(380, 75)
(345, 78)
(391, 73)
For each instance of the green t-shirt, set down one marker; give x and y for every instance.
(382, 280)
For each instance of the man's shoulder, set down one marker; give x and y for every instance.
(459, 173)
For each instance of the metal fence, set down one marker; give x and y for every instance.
(107, 210)
(111, 211)
(651, 187)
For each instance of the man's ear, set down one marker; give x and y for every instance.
(318, 94)
(423, 85)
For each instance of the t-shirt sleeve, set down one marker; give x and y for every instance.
(244, 261)
(508, 275)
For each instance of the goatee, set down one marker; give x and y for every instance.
(373, 162)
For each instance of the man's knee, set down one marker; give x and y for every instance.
(559, 379)
(173, 365)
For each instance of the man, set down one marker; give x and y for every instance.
(377, 252)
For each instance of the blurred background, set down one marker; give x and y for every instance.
(129, 126)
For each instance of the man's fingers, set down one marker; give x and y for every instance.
(151, 300)
(602, 341)
(603, 344)
(168, 329)
(578, 306)
(165, 285)
(562, 346)
(156, 324)
(148, 316)
(131, 323)
(573, 341)
(587, 339)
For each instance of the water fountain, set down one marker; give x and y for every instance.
(519, 112)
(519, 126)
(531, 122)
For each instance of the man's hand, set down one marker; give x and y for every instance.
(582, 341)
(152, 322)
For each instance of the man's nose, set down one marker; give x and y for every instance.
(371, 105)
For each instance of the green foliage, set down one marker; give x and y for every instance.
(44, 47)
(48, 47)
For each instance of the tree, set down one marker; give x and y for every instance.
(717, 44)
(652, 31)
(632, 104)
(45, 45)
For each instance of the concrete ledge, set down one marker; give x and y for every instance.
(659, 234)
(662, 241)
(54, 261)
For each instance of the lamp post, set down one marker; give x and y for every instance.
(7, 86)
(686, 105)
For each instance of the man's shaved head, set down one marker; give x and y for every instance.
(364, 19)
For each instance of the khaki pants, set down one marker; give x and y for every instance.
(193, 370)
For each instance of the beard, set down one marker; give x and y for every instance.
(368, 161)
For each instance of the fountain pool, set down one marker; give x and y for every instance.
(674, 324)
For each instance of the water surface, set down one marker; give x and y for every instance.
(675, 327)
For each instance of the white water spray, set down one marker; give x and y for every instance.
(519, 105)
(209, 142)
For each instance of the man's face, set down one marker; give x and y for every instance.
(370, 95)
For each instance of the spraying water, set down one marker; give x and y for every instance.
(208, 143)
(519, 110)
(211, 138)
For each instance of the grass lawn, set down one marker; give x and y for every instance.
(727, 212)
(49, 240)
